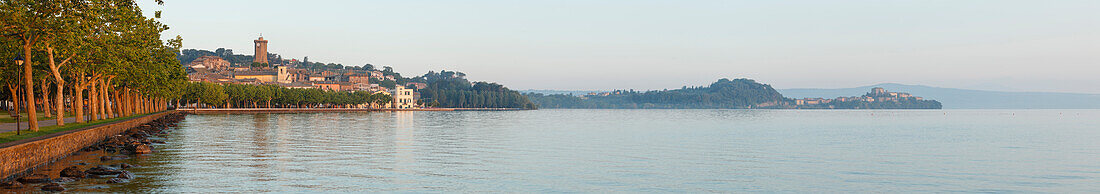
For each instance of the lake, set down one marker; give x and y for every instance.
(664, 151)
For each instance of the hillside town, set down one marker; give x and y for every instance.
(877, 95)
(215, 69)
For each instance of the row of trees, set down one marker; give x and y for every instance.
(460, 93)
(211, 95)
(101, 57)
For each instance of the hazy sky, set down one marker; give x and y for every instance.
(644, 44)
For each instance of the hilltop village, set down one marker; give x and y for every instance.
(292, 74)
(876, 95)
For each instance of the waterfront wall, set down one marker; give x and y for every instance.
(22, 156)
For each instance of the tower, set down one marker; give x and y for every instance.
(261, 51)
(283, 75)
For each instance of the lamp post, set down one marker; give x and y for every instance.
(18, 62)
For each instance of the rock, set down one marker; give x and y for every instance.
(35, 178)
(11, 185)
(53, 187)
(81, 164)
(117, 180)
(103, 170)
(141, 149)
(126, 175)
(109, 158)
(64, 180)
(125, 165)
(73, 171)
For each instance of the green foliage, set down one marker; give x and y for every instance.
(725, 93)
(188, 55)
(105, 40)
(459, 93)
(269, 96)
(432, 76)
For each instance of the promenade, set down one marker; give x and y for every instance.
(42, 122)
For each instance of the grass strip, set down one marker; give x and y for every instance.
(10, 136)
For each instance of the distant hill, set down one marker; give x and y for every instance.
(722, 94)
(966, 99)
(566, 92)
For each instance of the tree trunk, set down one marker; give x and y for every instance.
(45, 98)
(32, 115)
(78, 103)
(106, 105)
(59, 84)
(116, 106)
(14, 88)
(126, 106)
(139, 105)
(131, 101)
(93, 100)
(145, 105)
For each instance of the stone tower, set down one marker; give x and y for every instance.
(261, 50)
(283, 75)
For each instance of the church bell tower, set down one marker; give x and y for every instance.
(261, 51)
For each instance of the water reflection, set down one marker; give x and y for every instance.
(628, 151)
(261, 149)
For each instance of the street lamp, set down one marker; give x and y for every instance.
(18, 62)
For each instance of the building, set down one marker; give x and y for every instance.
(261, 51)
(348, 86)
(210, 62)
(299, 85)
(376, 88)
(284, 76)
(205, 75)
(417, 85)
(316, 78)
(376, 74)
(359, 78)
(402, 97)
(331, 86)
(878, 91)
(261, 76)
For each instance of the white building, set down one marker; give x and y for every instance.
(402, 97)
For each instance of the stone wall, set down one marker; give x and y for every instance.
(22, 156)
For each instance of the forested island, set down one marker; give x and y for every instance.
(727, 94)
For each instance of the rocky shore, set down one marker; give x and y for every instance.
(100, 163)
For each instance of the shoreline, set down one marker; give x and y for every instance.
(34, 163)
(321, 110)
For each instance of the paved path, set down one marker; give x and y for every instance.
(5, 127)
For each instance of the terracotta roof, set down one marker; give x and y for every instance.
(256, 73)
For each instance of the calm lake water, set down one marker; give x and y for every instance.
(672, 151)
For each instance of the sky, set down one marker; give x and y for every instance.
(1004, 45)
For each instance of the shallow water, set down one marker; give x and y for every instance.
(678, 151)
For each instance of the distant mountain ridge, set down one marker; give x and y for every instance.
(963, 98)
